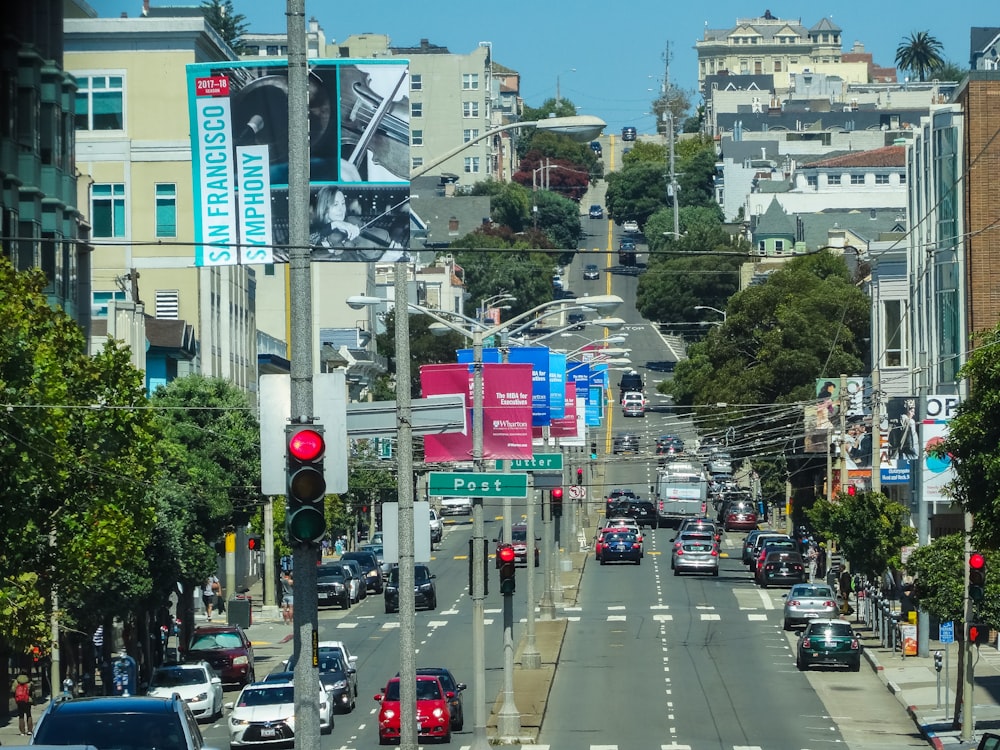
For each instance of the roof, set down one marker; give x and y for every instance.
(825, 24)
(775, 222)
(172, 335)
(887, 156)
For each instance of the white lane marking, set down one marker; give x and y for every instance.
(706, 618)
(757, 618)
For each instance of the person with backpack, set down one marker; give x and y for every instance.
(21, 690)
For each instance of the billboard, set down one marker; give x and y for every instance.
(901, 445)
(937, 471)
(359, 160)
(822, 416)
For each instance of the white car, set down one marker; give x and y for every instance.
(630, 227)
(437, 527)
(197, 684)
(264, 715)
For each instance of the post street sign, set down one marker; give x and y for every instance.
(470, 484)
(538, 462)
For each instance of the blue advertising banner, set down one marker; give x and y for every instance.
(579, 374)
(594, 403)
(557, 385)
(538, 358)
(599, 374)
(491, 356)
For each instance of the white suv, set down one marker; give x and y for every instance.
(634, 404)
(437, 527)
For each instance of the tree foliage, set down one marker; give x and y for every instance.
(869, 528)
(920, 54)
(805, 321)
(230, 25)
(426, 347)
(973, 440)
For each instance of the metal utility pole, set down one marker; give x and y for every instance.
(531, 658)
(673, 176)
(300, 309)
(404, 483)
(843, 433)
(968, 687)
(479, 738)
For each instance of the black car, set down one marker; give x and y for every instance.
(668, 445)
(625, 442)
(642, 511)
(370, 569)
(338, 678)
(332, 588)
(576, 320)
(424, 591)
(450, 685)
(628, 133)
(617, 496)
(782, 567)
(117, 722)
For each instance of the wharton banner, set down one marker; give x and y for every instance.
(506, 411)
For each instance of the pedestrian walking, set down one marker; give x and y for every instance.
(209, 591)
(287, 600)
(821, 562)
(812, 552)
(20, 689)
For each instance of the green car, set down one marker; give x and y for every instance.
(828, 642)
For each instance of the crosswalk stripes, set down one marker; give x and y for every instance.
(671, 746)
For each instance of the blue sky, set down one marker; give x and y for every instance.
(607, 57)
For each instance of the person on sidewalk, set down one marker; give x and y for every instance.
(21, 691)
(287, 600)
(209, 591)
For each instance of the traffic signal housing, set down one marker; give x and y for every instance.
(305, 516)
(555, 499)
(977, 576)
(506, 563)
(255, 543)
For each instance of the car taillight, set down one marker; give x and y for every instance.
(680, 552)
(806, 643)
(794, 603)
(854, 644)
(635, 545)
(715, 553)
(829, 603)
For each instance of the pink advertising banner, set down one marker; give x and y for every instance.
(566, 427)
(506, 411)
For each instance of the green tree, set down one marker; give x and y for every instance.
(673, 285)
(920, 54)
(229, 24)
(696, 179)
(426, 347)
(806, 320)
(869, 528)
(675, 101)
(973, 440)
(646, 151)
(636, 193)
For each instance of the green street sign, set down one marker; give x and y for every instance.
(461, 484)
(538, 462)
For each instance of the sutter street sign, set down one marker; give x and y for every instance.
(456, 484)
(538, 462)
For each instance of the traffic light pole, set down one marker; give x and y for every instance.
(301, 366)
(531, 658)
(479, 739)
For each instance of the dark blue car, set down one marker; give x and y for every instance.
(621, 547)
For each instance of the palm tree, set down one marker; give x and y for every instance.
(920, 54)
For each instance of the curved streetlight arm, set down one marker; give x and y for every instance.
(582, 127)
(713, 309)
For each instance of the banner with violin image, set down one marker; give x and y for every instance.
(359, 160)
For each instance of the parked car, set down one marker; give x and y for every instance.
(332, 587)
(370, 571)
(432, 710)
(437, 528)
(424, 590)
(596, 212)
(456, 506)
(809, 601)
(196, 682)
(621, 546)
(828, 642)
(116, 722)
(591, 272)
(226, 648)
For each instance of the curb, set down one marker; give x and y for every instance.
(895, 690)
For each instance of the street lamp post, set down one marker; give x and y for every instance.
(712, 309)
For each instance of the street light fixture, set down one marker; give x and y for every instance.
(713, 309)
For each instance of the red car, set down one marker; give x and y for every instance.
(741, 516)
(433, 715)
(227, 648)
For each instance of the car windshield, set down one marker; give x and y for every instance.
(209, 641)
(263, 695)
(330, 660)
(427, 690)
(446, 682)
(811, 592)
(829, 629)
(107, 731)
(519, 535)
(168, 677)
(422, 574)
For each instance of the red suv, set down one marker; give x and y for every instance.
(519, 541)
(227, 649)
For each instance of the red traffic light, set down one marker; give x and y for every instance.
(557, 493)
(255, 543)
(977, 561)
(506, 554)
(306, 445)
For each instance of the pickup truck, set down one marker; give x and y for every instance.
(456, 506)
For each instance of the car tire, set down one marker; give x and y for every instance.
(801, 665)
(676, 572)
(389, 610)
(602, 560)
(218, 712)
(447, 738)
(715, 573)
(856, 665)
(433, 604)
(786, 625)
(763, 584)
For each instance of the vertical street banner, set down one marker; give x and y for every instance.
(538, 358)
(579, 374)
(359, 160)
(565, 426)
(901, 447)
(937, 471)
(557, 385)
(506, 411)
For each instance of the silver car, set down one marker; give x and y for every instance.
(696, 556)
(809, 601)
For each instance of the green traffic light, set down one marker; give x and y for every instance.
(306, 524)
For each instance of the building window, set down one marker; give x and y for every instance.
(99, 302)
(167, 304)
(272, 50)
(416, 137)
(777, 66)
(779, 246)
(418, 161)
(762, 247)
(100, 103)
(470, 81)
(470, 109)
(812, 180)
(893, 332)
(251, 50)
(902, 178)
(470, 134)
(857, 179)
(166, 209)
(472, 164)
(416, 109)
(107, 209)
(416, 82)
(881, 179)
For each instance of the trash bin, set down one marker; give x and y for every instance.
(239, 611)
